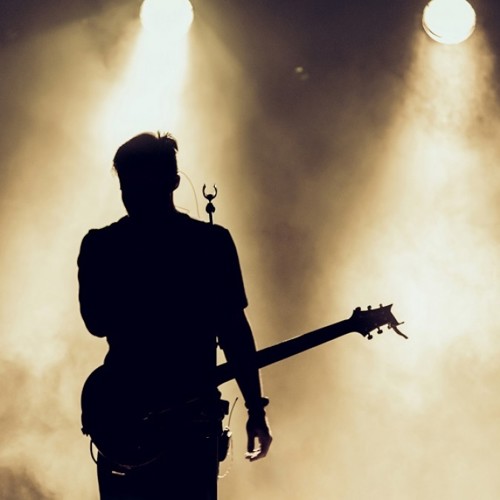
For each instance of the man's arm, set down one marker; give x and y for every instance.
(102, 304)
(91, 290)
(237, 341)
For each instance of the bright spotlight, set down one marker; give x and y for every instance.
(164, 16)
(449, 21)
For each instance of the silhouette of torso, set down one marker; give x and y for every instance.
(157, 292)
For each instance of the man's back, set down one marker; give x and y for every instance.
(162, 289)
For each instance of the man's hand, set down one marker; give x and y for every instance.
(259, 438)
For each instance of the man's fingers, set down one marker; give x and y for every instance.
(251, 441)
(254, 453)
(265, 443)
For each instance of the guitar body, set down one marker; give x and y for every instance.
(115, 421)
(131, 425)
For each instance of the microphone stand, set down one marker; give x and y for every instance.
(210, 209)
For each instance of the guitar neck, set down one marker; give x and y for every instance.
(288, 348)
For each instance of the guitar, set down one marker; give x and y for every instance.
(132, 439)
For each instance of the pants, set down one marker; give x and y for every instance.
(187, 470)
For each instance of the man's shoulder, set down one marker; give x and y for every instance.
(202, 227)
(114, 228)
(118, 225)
(183, 226)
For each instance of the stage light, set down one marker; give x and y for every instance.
(449, 21)
(164, 16)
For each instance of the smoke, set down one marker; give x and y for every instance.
(392, 201)
(19, 484)
(53, 84)
(375, 186)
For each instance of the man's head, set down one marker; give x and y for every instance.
(147, 168)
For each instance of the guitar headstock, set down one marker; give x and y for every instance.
(365, 322)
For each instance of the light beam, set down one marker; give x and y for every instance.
(147, 95)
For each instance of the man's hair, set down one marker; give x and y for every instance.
(147, 156)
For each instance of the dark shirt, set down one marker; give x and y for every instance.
(158, 294)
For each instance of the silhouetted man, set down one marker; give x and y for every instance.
(163, 289)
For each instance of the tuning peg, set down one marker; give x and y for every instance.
(369, 336)
(369, 308)
(379, 330)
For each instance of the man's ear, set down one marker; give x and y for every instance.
(171, 183)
